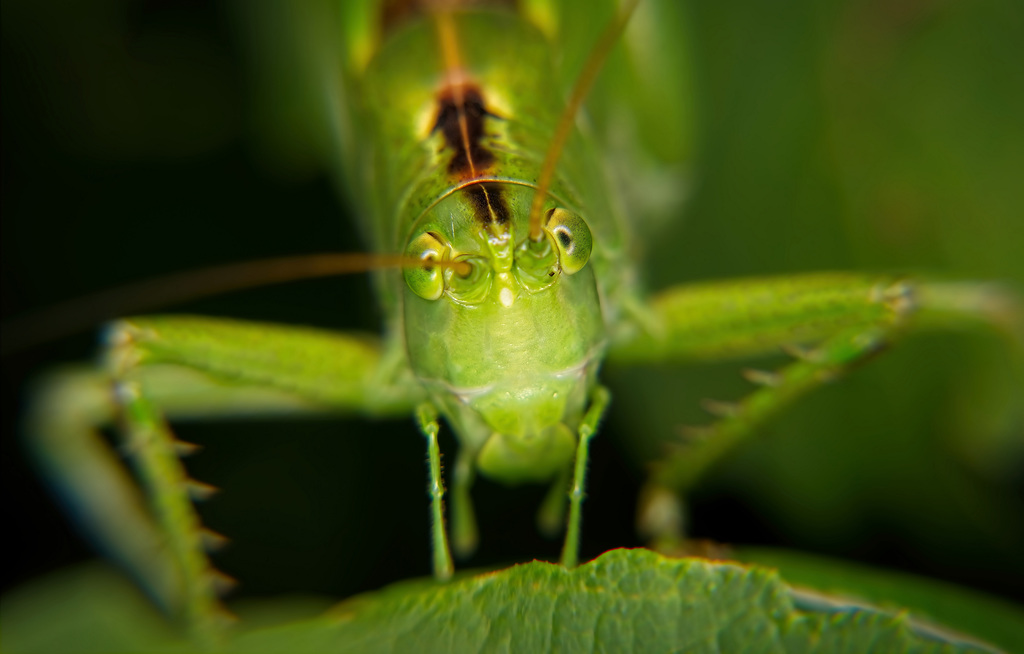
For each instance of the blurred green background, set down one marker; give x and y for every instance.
(846, 135)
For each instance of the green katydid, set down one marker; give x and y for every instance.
(523, 415)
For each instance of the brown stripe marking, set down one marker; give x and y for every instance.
(460, 119)
(461, 111)
(489, 205)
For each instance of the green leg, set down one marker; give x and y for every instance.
(739, 421)
(152, 448)
(186, 367)
(714, 321)
(62, 427)
(828, 321)
(598, 404)
(776, 391)
(426, 416)
(464, 531)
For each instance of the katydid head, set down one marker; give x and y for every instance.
(508, 345)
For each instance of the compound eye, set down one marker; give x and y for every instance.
(572, 238)
(427, 281)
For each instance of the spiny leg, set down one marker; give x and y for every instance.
(588, 427)
(738, 421)
(776, 390)
(912, 305)
(848, 317)
(188, 367)
(153, 531)
(152, 448)
(67, 408)
(243, 363)
(426, 417)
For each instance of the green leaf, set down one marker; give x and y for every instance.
(625, 600)
(966, 610)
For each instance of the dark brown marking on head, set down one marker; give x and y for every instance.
(489, 204)
(459, 109)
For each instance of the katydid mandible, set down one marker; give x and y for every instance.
(506, 347)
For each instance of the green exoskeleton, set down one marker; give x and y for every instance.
(444, 119)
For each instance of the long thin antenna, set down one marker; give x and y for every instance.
(82, 313)
(580, 90)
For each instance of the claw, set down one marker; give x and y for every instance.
(691, 433)
(200, 491)
(799, 352)
(222, 582)
(720, 409)
(762, 377)
(212, 541)
(184, 448)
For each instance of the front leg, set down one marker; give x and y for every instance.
(426, 417)
(168, 367)
(588, 427)
(829, 322)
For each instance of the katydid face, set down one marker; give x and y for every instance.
(509, 349)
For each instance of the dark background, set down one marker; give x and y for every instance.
(860, 135)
